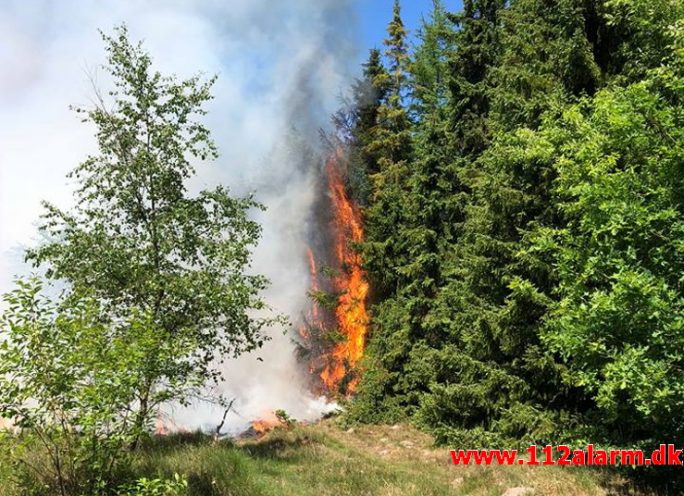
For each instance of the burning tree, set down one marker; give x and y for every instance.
(152, 273)
(351, 283)
(337, 325)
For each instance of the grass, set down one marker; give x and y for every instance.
(324, 459)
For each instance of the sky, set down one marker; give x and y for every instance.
(374, 15)
(282, 66)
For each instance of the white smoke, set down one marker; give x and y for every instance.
(281, 66)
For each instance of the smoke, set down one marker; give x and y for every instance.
(281, 66)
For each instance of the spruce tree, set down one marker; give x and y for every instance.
(476, 249)
(387, 219)
(357, 124)
(390, 142)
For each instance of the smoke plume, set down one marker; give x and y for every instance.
(281, 67)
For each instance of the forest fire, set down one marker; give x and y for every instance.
(349, 283)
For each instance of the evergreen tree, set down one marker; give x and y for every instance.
(430, 206)
(387, 219)
(357, 123)
(390, 142)
(477, 42)
(481, 234)
(494, 362)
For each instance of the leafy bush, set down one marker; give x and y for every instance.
(68, 382)
(618, 322)
(156, 487)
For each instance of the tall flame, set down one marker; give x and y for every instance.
(350, 283)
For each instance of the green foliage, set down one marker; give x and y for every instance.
(285, 418)
(636, 37)
(520, 178)
(157, 289)
(390, 144)
(67, 380)
(524, 248)
(618, 321)
(141, 244)
(324, 299)
(156, 487)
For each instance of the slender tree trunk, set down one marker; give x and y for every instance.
(140, 418)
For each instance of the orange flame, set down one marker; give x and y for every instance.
(268, 422)
(160, 427)
(351, 283)
(163, 426)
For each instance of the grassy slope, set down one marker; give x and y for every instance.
(376, 460)
(323, 460)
